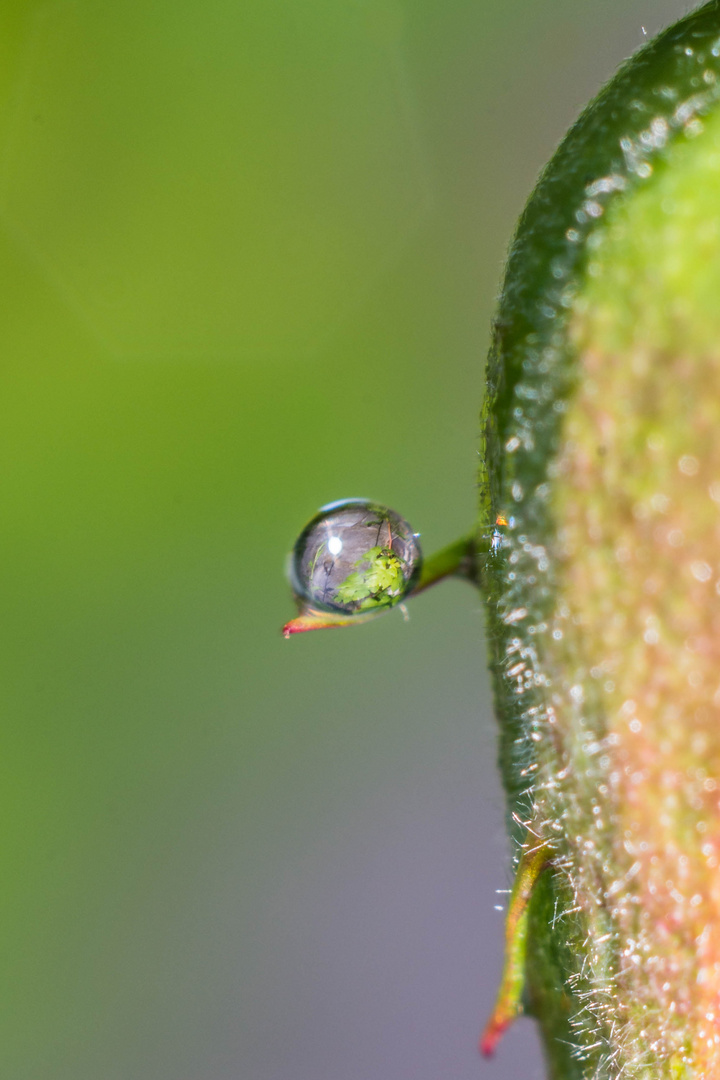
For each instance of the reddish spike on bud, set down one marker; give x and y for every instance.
(496, 1027)
(326, 620)
(303, 623)
(508, 1004)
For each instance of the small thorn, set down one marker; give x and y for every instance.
(303, 623)
(326, 620)
(493, 1033)
(508, 1004)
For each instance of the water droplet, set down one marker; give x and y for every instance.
(659, 502)
(693, 128)
(355, 556)
(592, 208)
(700, 570)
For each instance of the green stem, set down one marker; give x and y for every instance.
(456, 560)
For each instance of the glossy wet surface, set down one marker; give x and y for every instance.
(355, 556)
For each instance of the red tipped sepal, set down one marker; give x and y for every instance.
(310, 619)
(497, 1025)
(508, 1004)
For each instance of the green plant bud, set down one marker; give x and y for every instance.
(602, 448)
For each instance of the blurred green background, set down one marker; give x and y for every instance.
(249, 253)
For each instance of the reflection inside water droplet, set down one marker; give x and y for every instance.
(355, 556)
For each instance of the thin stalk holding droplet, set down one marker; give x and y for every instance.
(458, 559)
